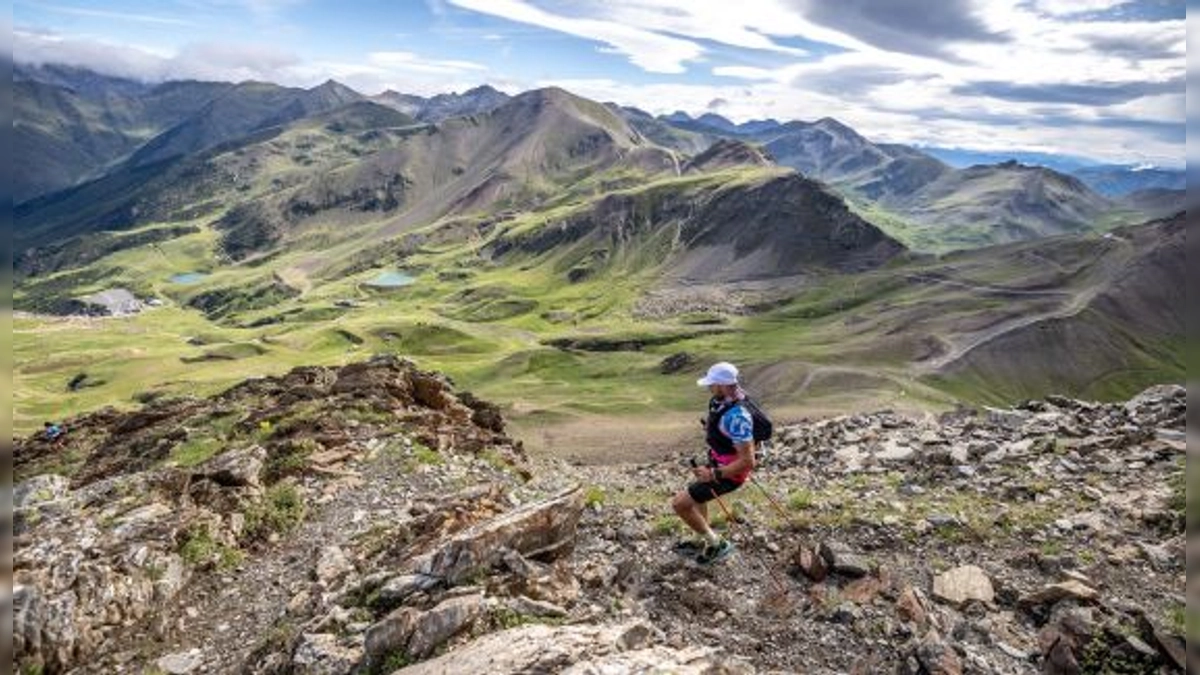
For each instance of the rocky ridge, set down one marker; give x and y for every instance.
(369, 519)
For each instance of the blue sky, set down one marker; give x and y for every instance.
(1104, 79)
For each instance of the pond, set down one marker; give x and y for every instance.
(392, 280)
(188, 278)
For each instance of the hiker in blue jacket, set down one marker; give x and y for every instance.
(729, 429)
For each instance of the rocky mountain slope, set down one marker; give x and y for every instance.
(765, 226)
(71, 124)
(353, 163)
(1119, 181)
(436, 108)
(369, 519)
(947, 207)
(1125, 316)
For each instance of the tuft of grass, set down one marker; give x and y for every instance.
(280, 511)
(199, 549)
(594, 496)
(801, 499)
(426, 455)
(195, 451)
(667, 525)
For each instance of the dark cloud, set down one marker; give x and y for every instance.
(717, 103)
(1137, 48)
(1102, 94)
(853, 81)
(923, 27)
(1167, 132)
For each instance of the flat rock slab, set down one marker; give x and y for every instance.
(538, 648)
(544, 528)
(1053, 593)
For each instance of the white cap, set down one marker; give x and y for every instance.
(720, 373)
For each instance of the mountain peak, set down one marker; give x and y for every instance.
(726, 153)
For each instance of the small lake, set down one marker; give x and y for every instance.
(189, 278)
(392, 280)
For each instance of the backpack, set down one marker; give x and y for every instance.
(763, 426)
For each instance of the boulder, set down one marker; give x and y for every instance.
(442, 623)
(390, 634)
(545, 528)
(235, 468)
(843, 560)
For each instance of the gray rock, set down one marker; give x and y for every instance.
(390, 635)
(843, 560)
(1053, 593)
(181, 663)
(442, 623)
(936, 656)
(963, 584)
(526, 605)
(577, 650)
(322, 654)
(895, 452)
(234, 468)
(543, 528)
(398, 589)
(332, 565)
(846, 612)
(39, 489)
(1009, 419)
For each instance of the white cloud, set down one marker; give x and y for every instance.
(121, 16)
(1068, 7)
(410, 62)
(651, 51)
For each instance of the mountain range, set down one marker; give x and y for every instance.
(551, 236)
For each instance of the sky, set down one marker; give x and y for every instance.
(1100, 79)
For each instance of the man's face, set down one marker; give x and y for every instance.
(720, 389)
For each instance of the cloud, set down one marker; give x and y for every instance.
(1098, 94)
(922, 27)
(410, 62)
(1072, 7)
(1139, 47)
(648, 50)
(200, 61)
(103, 57)
(121, 16)
(855, 80)
(716, 104)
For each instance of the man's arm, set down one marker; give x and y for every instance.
(743, 463)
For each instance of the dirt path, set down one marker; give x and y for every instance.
(1103, 269)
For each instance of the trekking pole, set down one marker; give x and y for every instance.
(771, 498)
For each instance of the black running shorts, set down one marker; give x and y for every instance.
(703, 492)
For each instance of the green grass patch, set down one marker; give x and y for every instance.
(281, 510)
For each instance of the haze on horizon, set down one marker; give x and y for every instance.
(1100, 79)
